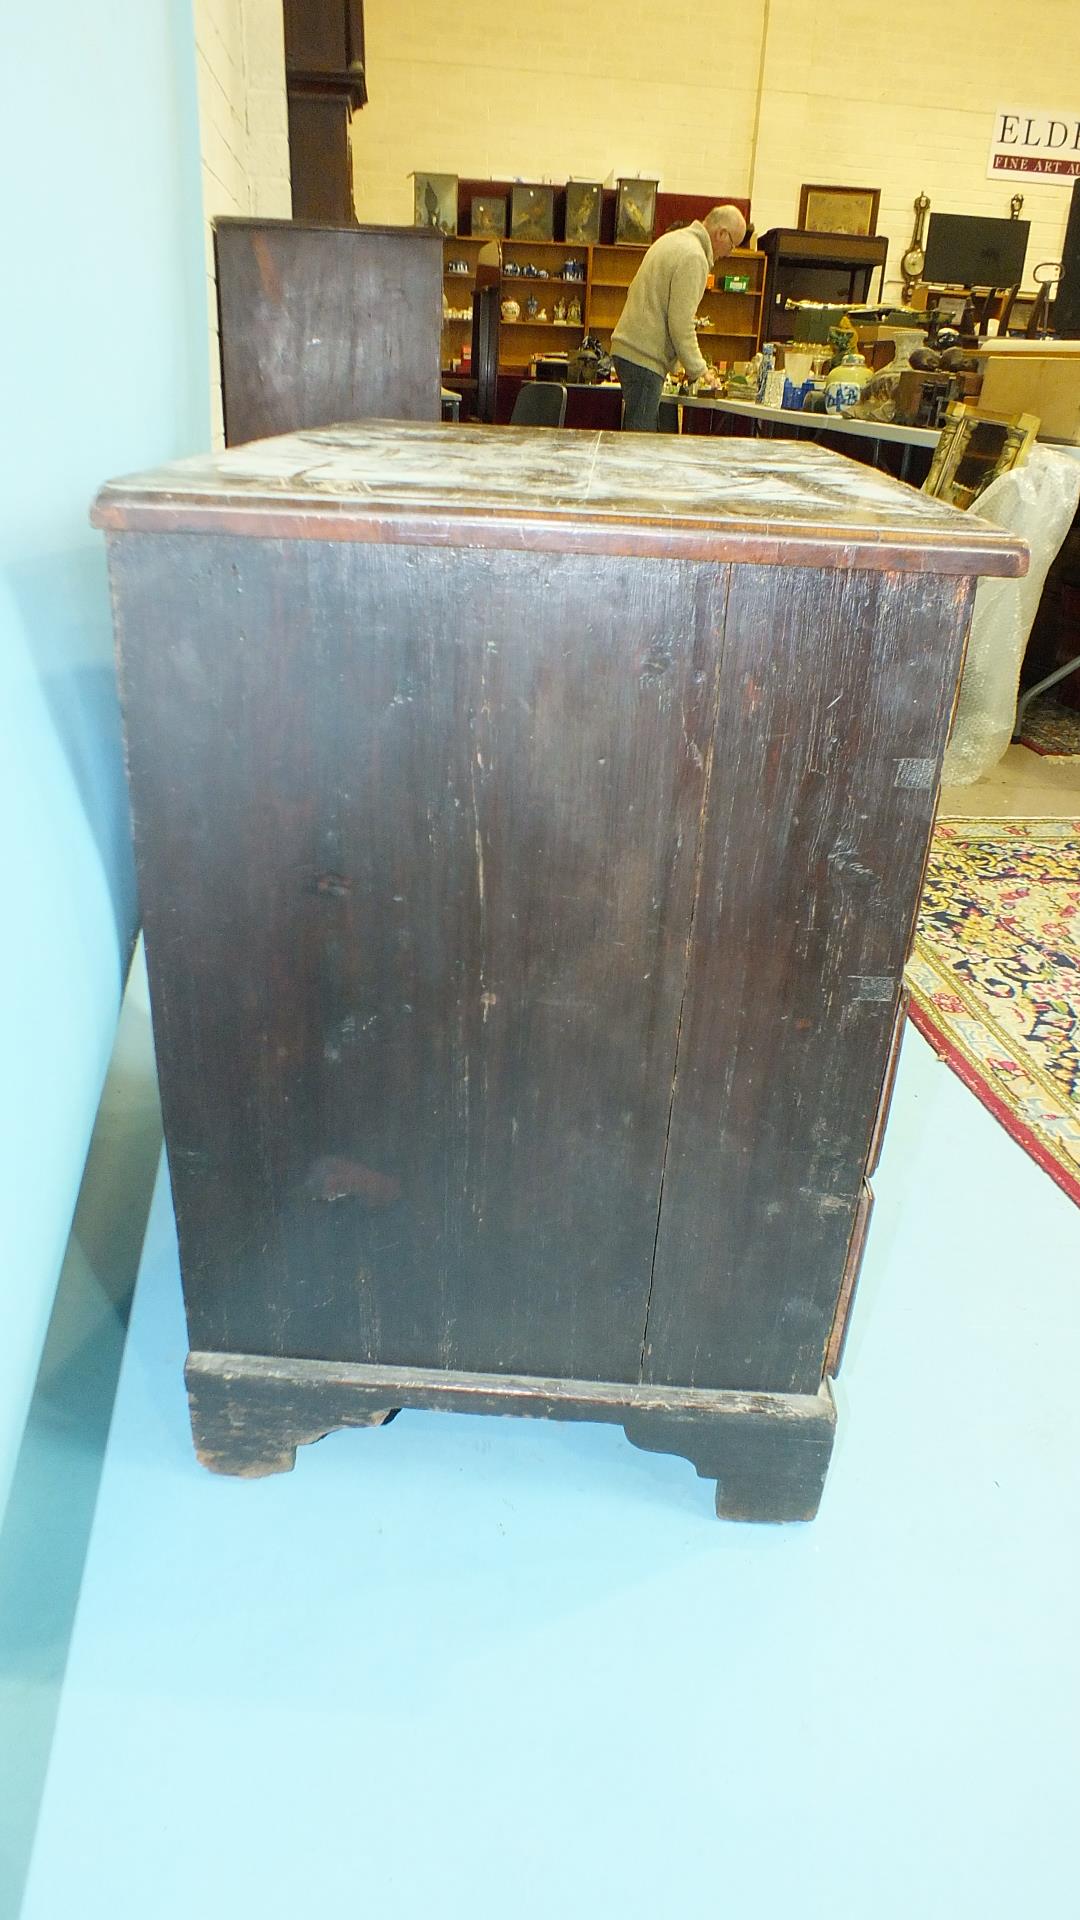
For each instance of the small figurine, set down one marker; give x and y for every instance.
(532, 306)
(573, 313)
(560, 309)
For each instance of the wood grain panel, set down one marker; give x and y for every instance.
(834, 1353)
(416, 835)
(321, 324)
(881, 1118)
(835, 693)
(317, 36)
(320, 170)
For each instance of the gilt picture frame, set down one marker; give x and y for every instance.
(974, 448)
(839, 209)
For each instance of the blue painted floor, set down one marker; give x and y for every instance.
(488, 1669)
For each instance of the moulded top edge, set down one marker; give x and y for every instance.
(758, 501)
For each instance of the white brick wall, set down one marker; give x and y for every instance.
(244, 128)
(909, 110)
(904, 102)
(554, 89)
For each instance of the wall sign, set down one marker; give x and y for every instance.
(1042, 146)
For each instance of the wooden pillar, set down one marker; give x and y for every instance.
(325, 80)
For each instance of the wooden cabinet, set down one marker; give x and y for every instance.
(728, 323)
(565, 271)
(543, 271)
(460, 257)
(824, 267)
(324, 42)
(529, 837)
(318, 324)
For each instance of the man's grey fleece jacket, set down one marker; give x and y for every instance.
(657, 325)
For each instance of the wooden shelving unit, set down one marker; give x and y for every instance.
(458, 290)
(611, 270)
(729, 324)
(529, 335)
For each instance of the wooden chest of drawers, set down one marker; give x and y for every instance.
(530, 828)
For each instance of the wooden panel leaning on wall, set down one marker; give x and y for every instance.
(529, 847)
(319, 324)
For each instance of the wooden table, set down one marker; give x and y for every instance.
(530, 827)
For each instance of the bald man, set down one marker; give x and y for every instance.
(657, 330)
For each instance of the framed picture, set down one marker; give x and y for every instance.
(435, 201)
(973, 449)
(532, 213)
(839, 209)
(487, 216)
(635, 211)
(583, 204)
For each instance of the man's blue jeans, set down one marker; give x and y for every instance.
(641, 390)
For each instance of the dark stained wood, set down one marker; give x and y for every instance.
(835, 268)
(834, 1353)
(828, 743)
(486, 322)
(325, 79)
(864, 1206)
(320, 158)
(442, 837)
(529, 839)
(769, 1453)
(773, 503)
(325, 39)
(888, 1080)
(320, 324)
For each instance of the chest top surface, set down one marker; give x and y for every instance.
(766, 502)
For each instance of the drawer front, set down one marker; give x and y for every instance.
(887, 1085)
(834, 703)
(856, 1248)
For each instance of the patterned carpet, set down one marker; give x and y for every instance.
(1048, 727)
(995, 976)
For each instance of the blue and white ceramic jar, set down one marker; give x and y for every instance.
(845, 383)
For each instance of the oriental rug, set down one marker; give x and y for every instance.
(1048, 727)
(995, 976)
